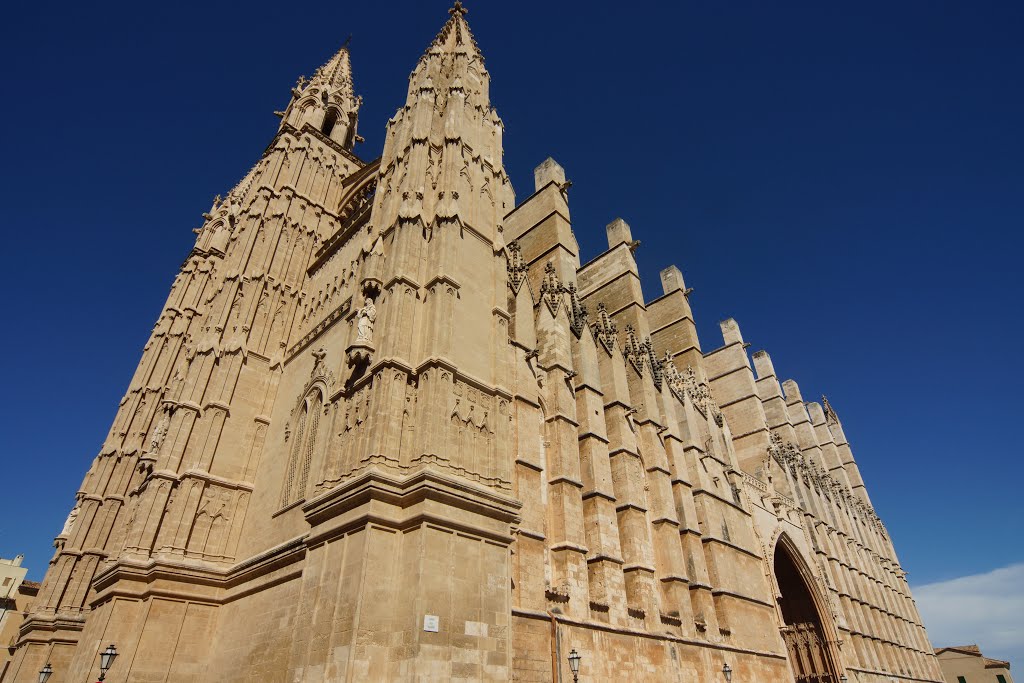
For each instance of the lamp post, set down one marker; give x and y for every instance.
(574, 665)
(45, 672)
(727, 672)
(107, 658)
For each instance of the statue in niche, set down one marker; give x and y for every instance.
(69, 523)
(364, 321)
(160, 432)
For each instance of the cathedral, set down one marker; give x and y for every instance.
(389, 426)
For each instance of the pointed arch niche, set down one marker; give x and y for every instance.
(303, 446)
(811, 640)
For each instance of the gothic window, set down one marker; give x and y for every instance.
(303, 447)
(330, 118)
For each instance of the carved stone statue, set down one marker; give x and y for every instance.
(160, 432)
(69, 523)
(364, 321)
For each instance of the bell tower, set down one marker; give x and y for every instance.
(169, 491)
(327, 101)
(418, 494)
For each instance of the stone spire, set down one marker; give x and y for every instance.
(328, 101)
(455, 34)
(336, 74)
(442, 157)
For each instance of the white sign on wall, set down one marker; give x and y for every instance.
(431, 623)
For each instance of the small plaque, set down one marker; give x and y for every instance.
(431, 623)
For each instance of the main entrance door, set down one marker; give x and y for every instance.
(806, 645)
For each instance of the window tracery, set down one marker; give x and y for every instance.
(303, 447)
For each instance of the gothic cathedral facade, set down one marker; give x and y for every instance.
(389, 428)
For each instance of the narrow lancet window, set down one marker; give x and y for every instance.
(303, 447)
(330, 118)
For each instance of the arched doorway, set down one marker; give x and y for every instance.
(809, 653)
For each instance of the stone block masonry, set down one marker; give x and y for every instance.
(388, 427)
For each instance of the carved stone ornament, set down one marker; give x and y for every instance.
(69, 523)
(647, 348)
(516, 267)
(411, 208)
(160, 431)
(577, 311)
(605, 330)
(830, 414)
(671, 375)
(365, 319)
(361, 350)
(632, 350)
(700, 394)
(551, 288)
(319, 367)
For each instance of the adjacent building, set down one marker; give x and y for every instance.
(966, 664)
(16, 596)
(391, 425)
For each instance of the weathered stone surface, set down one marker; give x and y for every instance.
(388, 427)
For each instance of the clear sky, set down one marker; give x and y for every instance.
(845, 179)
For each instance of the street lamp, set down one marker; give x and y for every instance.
(574, 664)
(727, 672)
(45, 672)
(107, 658)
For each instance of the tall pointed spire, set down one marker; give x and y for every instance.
(454, 39)
(443, 152)
(455, 34)
(328, 102)
(336, 75)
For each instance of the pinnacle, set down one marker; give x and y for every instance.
(336, 74)
(455, 33)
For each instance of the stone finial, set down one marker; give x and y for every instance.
(551, 288)
(792, 391)
(517, 267)
(605, 329)
(618, 233)
(578, 315)
(672, 280)
(830, 413)
(763, 365)
(455, 34)
(731, 331)
(549, 171)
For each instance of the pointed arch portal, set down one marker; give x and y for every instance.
(810, 656)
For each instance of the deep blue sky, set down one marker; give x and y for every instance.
(845, 179)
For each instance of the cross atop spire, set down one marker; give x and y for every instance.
(455, 33)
